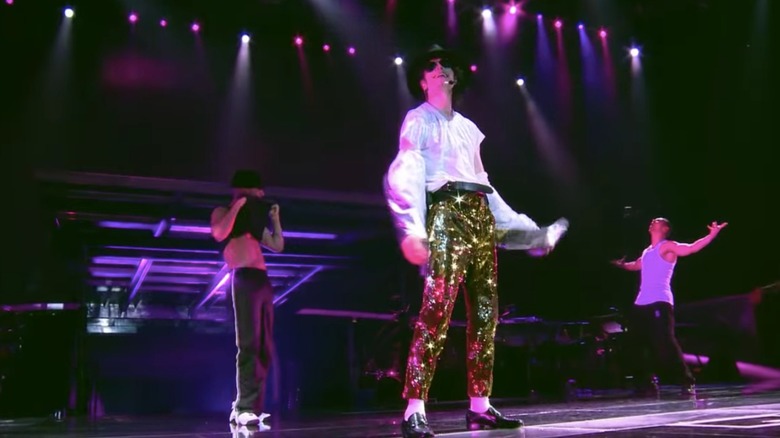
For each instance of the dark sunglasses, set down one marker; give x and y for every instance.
(444, 63)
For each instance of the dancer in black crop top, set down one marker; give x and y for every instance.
(249, 223)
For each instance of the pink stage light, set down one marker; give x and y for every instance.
(603, 33)
(133, 17)
(195, 27)
(298, 41)
(580, 26)
(326, 47)
(9, 2)
(513, 9)
(558, 24)
(163, 23)
(473, 68)
(351, 50)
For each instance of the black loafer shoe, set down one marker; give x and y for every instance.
(416, 427)
(491, 419)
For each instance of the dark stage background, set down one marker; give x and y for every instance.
(690, 138)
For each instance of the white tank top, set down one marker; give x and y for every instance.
(656, 278)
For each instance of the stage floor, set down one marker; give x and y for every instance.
(718, 411)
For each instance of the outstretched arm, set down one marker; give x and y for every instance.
(515, 230)
(506, 217)
(636, 265)
(686, 249)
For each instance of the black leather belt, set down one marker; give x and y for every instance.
(453, 189)
(459, 186)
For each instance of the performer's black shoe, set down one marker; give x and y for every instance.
(491, 419)
(416, 427)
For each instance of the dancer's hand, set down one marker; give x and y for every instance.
(715, 228)
(415, 250)
(620, 262)
(273, 213)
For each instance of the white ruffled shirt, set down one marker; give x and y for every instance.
(433, 151)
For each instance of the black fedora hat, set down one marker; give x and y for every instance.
(246, 179)
(418, 64)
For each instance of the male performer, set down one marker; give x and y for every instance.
(243, 227)
(651, 323)
(450, 218)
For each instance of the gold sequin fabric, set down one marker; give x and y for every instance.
(462, 241)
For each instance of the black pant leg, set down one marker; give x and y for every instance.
(253, 317)
(639, 345)
(266, 352)
(667, 351)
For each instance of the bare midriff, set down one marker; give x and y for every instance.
(244, 252)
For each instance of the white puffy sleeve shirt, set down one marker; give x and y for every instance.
(432, 151)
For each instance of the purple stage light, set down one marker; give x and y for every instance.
(200, 229)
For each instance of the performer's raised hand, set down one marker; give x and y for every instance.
(415, 250)
(715, 227)
(273, 213)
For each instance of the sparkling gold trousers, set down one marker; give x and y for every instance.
(461, 231)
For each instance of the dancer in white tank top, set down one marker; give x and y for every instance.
(652, 318)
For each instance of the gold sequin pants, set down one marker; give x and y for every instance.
(461, 232)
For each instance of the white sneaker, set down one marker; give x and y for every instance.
(247, 431)
(247, 418)
(244, 418)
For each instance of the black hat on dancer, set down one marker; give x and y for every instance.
(448, 58)
(246, 179)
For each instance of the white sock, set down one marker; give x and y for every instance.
(480, 405)
(415, 406)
